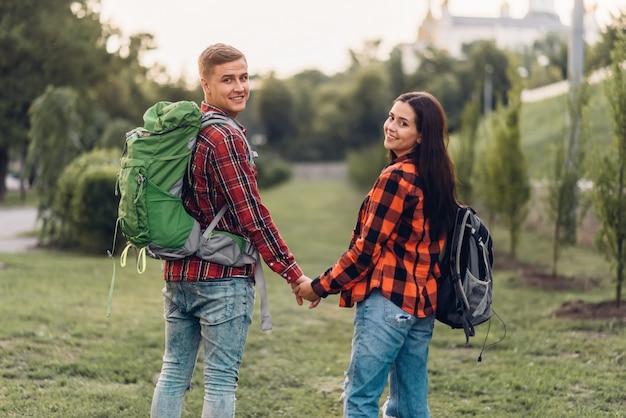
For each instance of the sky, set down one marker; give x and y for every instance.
(289, 36)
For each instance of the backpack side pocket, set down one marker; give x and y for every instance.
(132, 209)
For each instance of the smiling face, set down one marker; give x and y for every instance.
(227, 86)
(400, 128)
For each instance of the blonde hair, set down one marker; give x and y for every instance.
(217, 54)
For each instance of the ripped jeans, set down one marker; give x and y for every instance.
(388, 345)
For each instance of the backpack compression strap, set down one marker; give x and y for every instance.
(259, 275)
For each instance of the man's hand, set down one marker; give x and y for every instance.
(294, 286)
(304, 291)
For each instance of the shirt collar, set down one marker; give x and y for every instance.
(205, 108)
(411, 156)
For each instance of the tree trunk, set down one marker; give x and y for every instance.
(4, 169)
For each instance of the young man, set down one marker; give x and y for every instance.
(209, 304)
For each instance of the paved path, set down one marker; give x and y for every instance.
(13, 223)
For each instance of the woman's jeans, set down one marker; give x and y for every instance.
(388, 343)
(217, 313)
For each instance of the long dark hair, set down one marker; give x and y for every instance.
(433, 162)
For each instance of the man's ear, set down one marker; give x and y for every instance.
(205, 85)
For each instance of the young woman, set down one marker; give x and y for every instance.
(391, 268)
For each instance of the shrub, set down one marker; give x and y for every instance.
(85, 205)
(272, 171)
(364, 165)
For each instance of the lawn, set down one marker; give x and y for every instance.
(60, 356)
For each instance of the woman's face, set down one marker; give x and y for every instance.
(400, 129)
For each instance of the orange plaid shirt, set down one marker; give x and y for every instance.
(391, 248)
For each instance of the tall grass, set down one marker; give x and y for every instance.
(60, 356)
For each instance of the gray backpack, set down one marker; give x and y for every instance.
(465, 288)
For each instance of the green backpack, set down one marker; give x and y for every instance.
(151, 214)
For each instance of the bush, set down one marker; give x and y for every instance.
(85, 206)
(94, 208)
(364, 165)
(272, 171)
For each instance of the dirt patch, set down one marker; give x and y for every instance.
(533, 275)
(584, 310)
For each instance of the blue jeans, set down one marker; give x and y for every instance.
(217, 313)
(388, 345)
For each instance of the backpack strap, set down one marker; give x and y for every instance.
(214, 222)
(215, 118)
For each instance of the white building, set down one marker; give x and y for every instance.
(450, 32)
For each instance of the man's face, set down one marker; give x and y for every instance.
(227, 87)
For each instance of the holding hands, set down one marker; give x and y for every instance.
(303, 290)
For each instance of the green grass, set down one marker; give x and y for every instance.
(60, 356)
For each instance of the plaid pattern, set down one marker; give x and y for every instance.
(222, 174)
(391, 248)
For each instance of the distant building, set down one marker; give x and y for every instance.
(450, 32)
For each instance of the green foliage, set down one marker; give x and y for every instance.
(365, 165)
(367, 106)
(36, 53)
(545, 62)
(94, 210)
(562, 199)
(329, 124)
(599, 55)
(52, 43)
(114, 134)
(487, 63)
(85, 204)
(448, 79)
(609, 173)
(55, 141)
(465, 153)
(274, 107)
(62, 44)
(272, 171)
(505, 176)
(395, 69)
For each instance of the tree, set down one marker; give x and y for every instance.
(600, 53)
(367, 106)
(609, 173)
(395, 68)
(442, 75)
(56, 42)
(304, 88)
(55, 141)
(466, 152)
(562, 195)
(485, 73)
(274, 107)
(553, 49)
(507, 167)
(329, 126)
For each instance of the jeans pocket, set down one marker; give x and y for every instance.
(217, 300)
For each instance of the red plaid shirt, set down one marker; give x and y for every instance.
(222, 174)
(391, 247)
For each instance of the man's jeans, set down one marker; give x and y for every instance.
(388, 343)
(217, 313)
